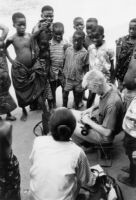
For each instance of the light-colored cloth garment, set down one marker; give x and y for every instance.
(58, 169)
(99, 58)
(129, 122)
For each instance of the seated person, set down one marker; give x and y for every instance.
(107, 121)
(58, 166)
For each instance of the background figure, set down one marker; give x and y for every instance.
(124, 51)
(42, 31)
(42, 64)
(57, 162)
(100, 57)
(90, 25)
(78, 25)
(76, 60)
(125, 64)
(58, 47)
(9, 166)
(7, 104)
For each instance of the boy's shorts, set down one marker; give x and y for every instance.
(73, 85)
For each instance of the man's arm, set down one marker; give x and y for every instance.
(96, 127)
(5, 31)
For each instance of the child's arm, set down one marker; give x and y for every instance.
(112, 71)
(86, 63)
(38, 28)
(5, 31)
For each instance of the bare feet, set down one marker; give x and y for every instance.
(24, 115)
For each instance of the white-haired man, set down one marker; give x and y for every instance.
(104, 125)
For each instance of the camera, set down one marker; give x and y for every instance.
(85, 130)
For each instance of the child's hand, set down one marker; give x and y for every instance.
(44, 25)
(32, 76)
(15, 63)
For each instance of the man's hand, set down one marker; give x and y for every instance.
(86, 119)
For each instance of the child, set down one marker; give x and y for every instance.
(7, 103)
(57, 54)
(78, 25)
(125, 64)
(42, 31)
(43, 63)
(44, 26)
(76, 60)
(27, 88)
(57, 162)
(9, 166)
(100, 57)
(90, 24)
(124, 51)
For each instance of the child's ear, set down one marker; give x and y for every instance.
(41, 15)
(103, 36)
(13, 25)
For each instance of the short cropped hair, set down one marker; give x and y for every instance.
(77, 18)
(47, 8)
(62, 124)
(133, 20)
(17, 15)
(99, 29)
(58, 25)
(93, 76)
(80, 33)
(91, 19)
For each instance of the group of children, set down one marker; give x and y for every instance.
(44, 61)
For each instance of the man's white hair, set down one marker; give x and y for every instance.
(93, 76)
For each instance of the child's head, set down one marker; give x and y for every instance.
(19, 22)
(43, 45)
(132, 28)
(98, 35)
(5, 139)
(58, 31)
(90, 24)
(47, 14)
(78, 40)
(78, 24)
(62, 124)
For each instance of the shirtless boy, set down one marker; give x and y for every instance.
(23, 79)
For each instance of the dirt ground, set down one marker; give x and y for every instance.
(22, 145)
